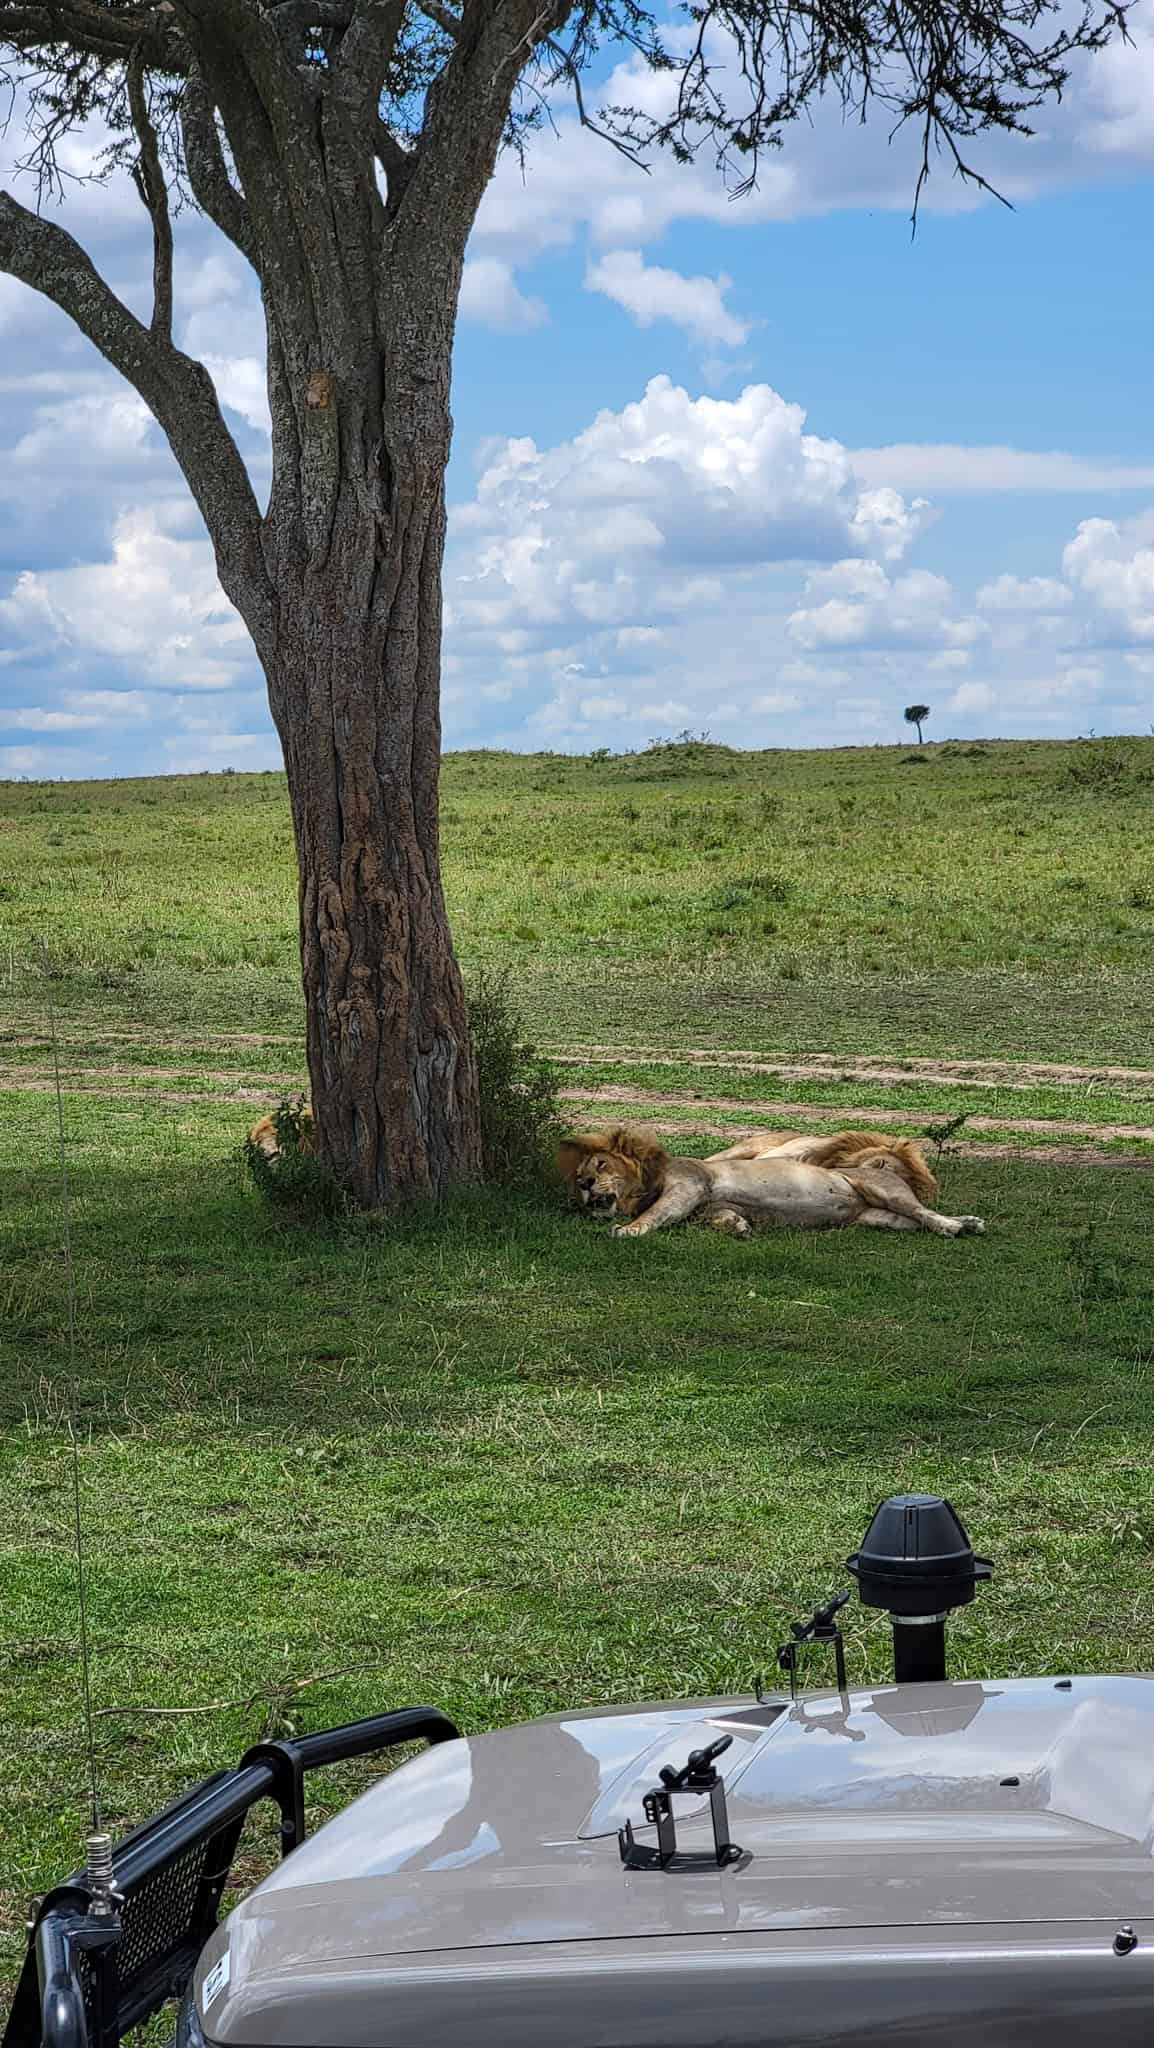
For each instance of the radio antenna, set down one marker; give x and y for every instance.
(73, 1354)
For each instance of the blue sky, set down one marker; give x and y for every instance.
(766, 467)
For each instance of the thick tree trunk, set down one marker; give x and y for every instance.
(354, 675)
(339, 580)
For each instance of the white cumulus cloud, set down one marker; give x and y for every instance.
(490, 295)
(155, 609)
(609, 526)
(649, 293)
(1025, 595)
(1113, 565)
(857, 604)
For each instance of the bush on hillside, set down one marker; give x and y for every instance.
(1101, 767)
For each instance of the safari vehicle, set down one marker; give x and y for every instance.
(970, 1862)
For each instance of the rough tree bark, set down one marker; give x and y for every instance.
(353, 546)
(360, 297)
(354, 680)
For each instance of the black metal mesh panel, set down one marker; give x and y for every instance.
(158, 1915)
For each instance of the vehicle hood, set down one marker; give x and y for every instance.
(954, 1805)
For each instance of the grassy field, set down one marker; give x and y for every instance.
(994, 899)
(494, 1458)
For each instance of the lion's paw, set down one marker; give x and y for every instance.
(734, 1226)
(972, 1226)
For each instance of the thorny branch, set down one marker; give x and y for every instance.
(443, 17)
(148, 176)
(566, 65)
(98, 28)
(955, 69)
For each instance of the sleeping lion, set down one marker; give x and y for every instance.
(627, 1173)
(842, 1149)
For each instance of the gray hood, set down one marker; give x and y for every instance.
(970, 1808)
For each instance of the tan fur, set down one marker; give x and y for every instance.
(626, 1173)
(626, 1163)
(263, 1135)
(842, 1148)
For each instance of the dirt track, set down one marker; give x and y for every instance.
(1032, 1155)
(125, 1081)
(827, 1066)
(772, 1113)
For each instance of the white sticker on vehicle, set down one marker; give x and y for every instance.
(215, 1982)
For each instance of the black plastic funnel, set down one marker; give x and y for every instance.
(917, 1563)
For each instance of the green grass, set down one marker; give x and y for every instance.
(502, 1460)
(492, 1457)
(982, 900)
(1097, 1103)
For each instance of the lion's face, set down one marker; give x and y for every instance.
(609, 1185)
(881, 1162)
(617, 1173)
(900, 1161)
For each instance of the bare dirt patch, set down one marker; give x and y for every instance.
(825, 1066)
(86, 1036)
(121, 1079)
(124, 1081)
(809, 1112)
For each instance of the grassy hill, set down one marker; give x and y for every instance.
(962, 899)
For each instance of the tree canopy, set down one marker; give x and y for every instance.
(387, 72)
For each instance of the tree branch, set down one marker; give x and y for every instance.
(177, 390)
(466, 109)
(305, 14)
(97, 31)
(272, 132)
(148, 176)
(397, 163)
(212, 188)
(568, 67)
(366, 52)
(227, 29)
(444, 18)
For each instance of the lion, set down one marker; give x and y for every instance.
(625, 1172)
(844, 1148)
(265, 1137)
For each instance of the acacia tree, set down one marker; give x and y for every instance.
(917, 714)
(343, 147)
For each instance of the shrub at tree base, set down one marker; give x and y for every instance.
(520, 1113)
(1104, 767)
(520, 1119)
(291, 1176)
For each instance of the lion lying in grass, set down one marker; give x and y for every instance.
(627, 1173)
(844, 1148)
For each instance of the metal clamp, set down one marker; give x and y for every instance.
(821, 1628)
(698, 1776)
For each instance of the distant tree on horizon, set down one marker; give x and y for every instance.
(917, 714)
